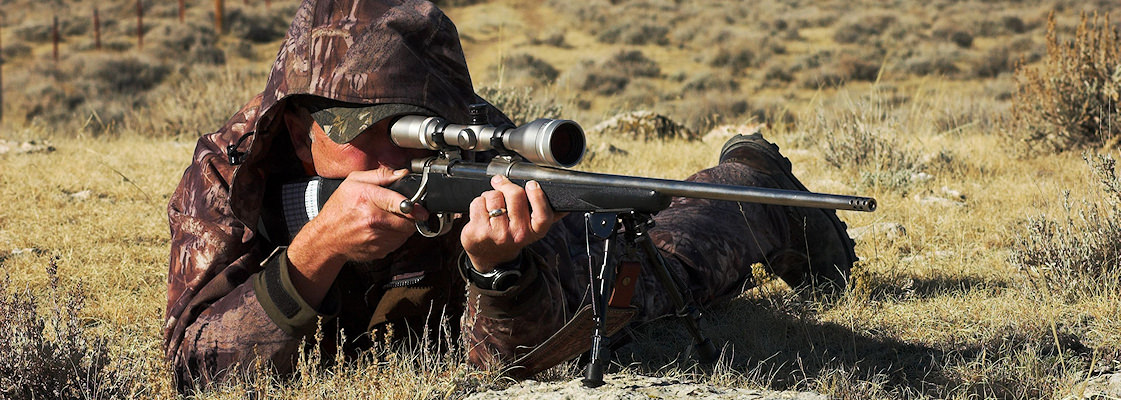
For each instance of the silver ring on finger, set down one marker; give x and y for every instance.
(498, 212)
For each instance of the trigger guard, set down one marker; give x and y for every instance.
(445, 226)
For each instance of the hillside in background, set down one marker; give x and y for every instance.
(702, 63)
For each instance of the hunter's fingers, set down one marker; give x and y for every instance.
(496, 213)
(374, 193)
(543, 217)
(380, 177)
(514, 198)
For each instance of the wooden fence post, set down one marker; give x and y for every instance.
(182, 10)
(268, 4)
(96, 29)
(219, 11)
(54, 39)
(139, 24)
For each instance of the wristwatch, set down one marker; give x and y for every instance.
(504, 276)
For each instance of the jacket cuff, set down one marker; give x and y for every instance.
(518, 299)
(283, 304)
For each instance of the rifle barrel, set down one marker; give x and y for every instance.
(795, 198)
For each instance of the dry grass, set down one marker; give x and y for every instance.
(982, 297)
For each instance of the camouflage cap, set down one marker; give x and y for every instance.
(345, 121)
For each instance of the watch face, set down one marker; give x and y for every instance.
(505, 280)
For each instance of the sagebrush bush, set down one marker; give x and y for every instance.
(198, 42)
(523, 68)
(858, 140)
(933, 60)
(612, 75)
(1081, 247)
(45, 350)
(635, 33)
(520, 105)
(256, 25)
(863, 27)
(1070, 101)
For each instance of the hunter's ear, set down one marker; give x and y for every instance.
(298, 120)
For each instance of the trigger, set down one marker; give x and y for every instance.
(443, 225)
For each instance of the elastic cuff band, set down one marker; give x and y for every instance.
(519, 299)
(283, 304)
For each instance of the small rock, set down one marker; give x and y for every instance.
(952, 193)
(889, 230)
(644, 125)
(920, 177)
(604, 149)
(938, 201)
(12, 147)
(1103, 387)
(723, 132)
(83, 195)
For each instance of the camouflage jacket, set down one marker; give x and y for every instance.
(226, 305)
(230, 302)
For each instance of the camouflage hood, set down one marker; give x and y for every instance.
(373, 52)
(363, 52)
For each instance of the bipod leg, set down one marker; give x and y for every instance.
(602, 285)
(704, 350)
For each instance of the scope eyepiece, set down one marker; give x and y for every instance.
(550, 142)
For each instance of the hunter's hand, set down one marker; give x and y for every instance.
(491, 240)
(361, 221)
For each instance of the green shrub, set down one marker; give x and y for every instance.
(1070, 101)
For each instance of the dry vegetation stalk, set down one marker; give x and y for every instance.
(1070, 101)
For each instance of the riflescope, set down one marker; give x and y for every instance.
(549, 142)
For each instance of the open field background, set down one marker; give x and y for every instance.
(990, 270)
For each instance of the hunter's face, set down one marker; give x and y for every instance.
(371, 150)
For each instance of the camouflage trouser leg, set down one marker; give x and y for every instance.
(710, 245)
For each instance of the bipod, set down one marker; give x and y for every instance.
(629, 231)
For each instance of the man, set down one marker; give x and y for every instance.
(238, 292)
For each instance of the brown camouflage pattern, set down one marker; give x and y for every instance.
(369, 52)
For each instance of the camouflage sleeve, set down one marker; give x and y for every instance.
(262, 319)
(215, 318)
(498, 327)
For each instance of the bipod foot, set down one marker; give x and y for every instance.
(705, 352)
(593, 374)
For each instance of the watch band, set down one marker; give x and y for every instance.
(504, 276)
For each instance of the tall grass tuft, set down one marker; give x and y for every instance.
(1070, 101)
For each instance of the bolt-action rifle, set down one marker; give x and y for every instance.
(617, 208)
